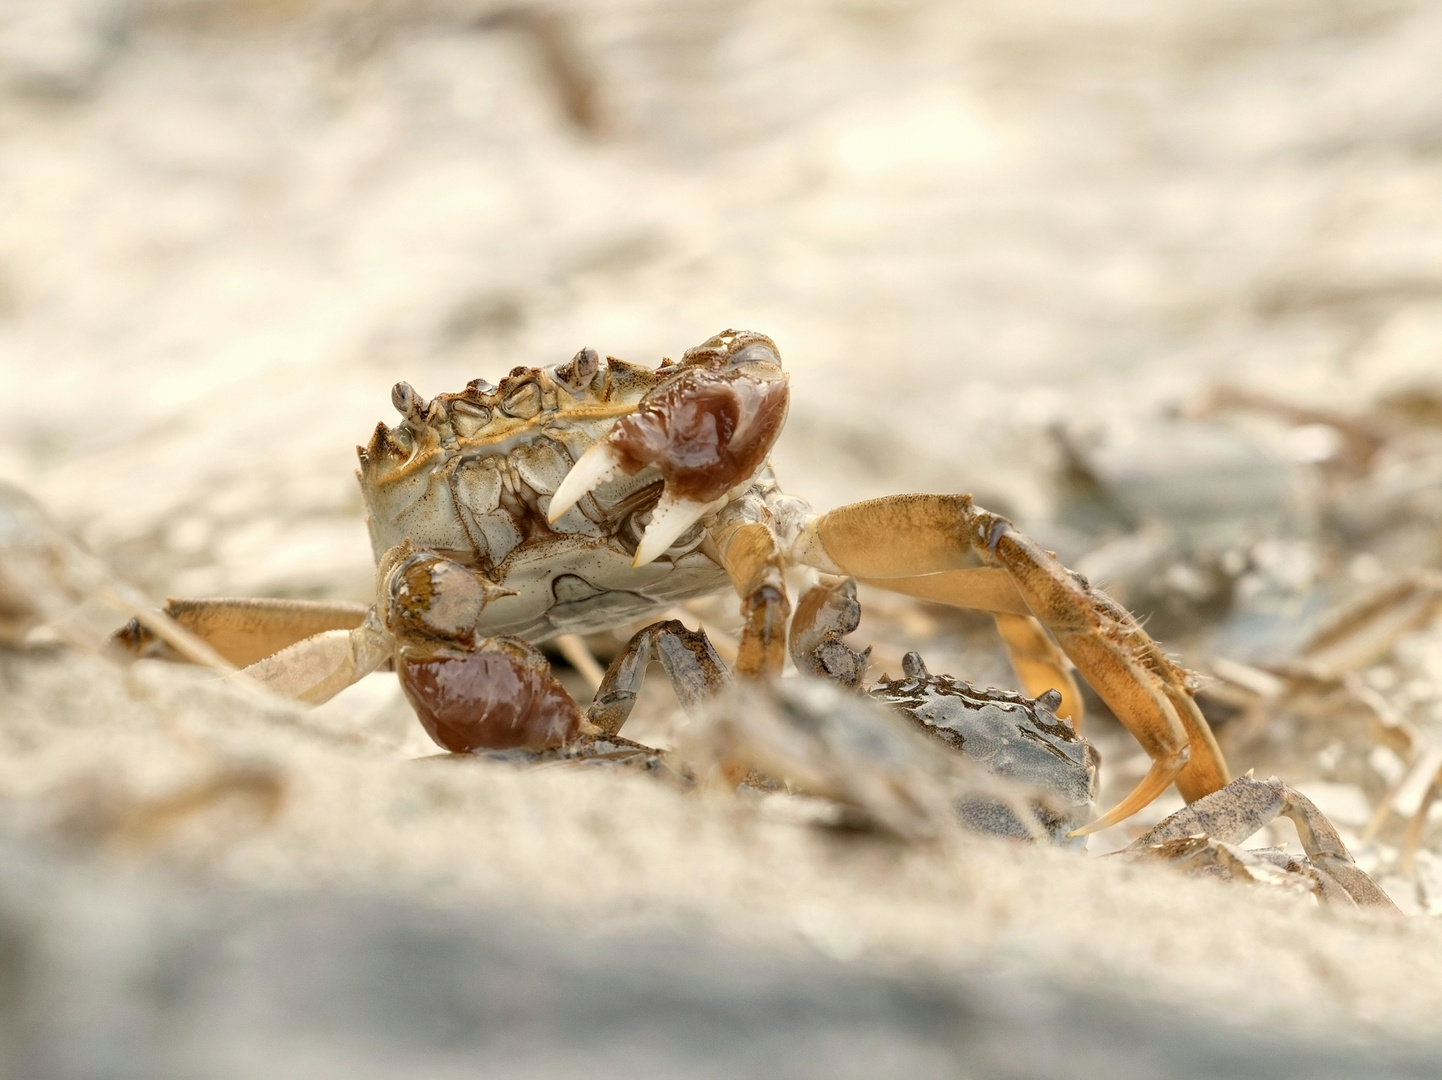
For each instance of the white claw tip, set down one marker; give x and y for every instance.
(669, 520)
(595, 467)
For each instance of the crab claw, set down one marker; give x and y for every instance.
(592, 469)
(705, 432)
(669, 520)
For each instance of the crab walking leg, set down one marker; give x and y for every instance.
(1237, 811)
(578, 654)
(696, 672)
(1110, 662)
(1039, 664)
(906, 536)
(751, 555)
(1206, 769)
(319, 667)
(981, 588)
(245, 630)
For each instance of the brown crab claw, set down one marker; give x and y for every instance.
(706, 432)
(499, 695)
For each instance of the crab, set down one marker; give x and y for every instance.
(1019, 740)
(1203, 837)
(586, 495)
(919, 755)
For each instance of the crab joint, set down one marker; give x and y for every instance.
(437, 597)
(762, 649)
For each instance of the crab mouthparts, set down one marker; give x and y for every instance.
(707, 432)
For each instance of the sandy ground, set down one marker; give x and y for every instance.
(229, 227)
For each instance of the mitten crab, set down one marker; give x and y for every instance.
(590, 494)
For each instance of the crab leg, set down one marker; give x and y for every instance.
(317, 668)
(1039, 664)
(1237, 811)
(245, 630)
(907, 536)
(300, 649)
(751, 555)
(696, 672)
(980, 588)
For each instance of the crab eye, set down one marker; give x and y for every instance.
(407, 402)
(580, 371)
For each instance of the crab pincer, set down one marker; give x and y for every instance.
(706, 431)
(494, 693)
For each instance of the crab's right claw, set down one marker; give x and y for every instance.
(669, 521)
(706, 431)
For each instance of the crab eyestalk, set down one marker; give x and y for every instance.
(706, 432)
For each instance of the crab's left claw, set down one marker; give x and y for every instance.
(592, 469)
(706, 432)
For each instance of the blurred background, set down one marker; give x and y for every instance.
(1163, 282)
(231, 225)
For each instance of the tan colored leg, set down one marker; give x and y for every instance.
(1206, 769)
(319, 667)
(578, 654)
(1238, 810)
(906, 536)
(245, 631)
(1039, 664)
(983, 588)
(751, 555)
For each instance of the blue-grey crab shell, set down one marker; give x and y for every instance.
(1012, 736)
